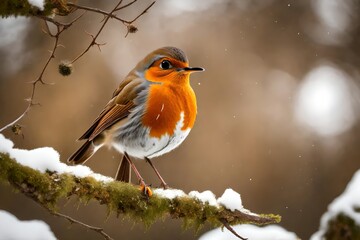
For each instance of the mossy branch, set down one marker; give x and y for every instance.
(121, 198)
(24, 8)
(342, 227)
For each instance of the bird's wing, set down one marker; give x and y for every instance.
(118, 108)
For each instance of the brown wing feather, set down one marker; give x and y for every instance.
(118, 107)
(115, 114)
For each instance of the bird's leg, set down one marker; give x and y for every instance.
(163, 183)
(141, 180)
(143, 187)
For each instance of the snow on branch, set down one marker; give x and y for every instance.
(342, 219)
(40, 175)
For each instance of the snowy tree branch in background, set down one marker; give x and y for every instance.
(342, 219)
(122, 198)
(48, 13)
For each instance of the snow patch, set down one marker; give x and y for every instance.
(346, 203)
(205, 197)
(46, 159)
(37, 3)
(271, 232)
(231, 200)
(169, 193)
(13, 228)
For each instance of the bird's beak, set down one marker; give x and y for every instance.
(191, 69)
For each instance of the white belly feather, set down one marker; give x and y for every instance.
(151, 146)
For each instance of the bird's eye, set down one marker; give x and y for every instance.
(165, 65)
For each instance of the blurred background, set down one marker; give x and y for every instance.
(278, 104)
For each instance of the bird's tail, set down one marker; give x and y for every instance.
(124, 172)
(83, 153)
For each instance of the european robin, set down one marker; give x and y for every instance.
(150, 113)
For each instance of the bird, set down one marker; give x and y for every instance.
(150, 113)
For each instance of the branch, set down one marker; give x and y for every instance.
(93, 42)
(60, 28)
(60, 7)
(72, 220)
(126, 5)
(29, 192)
(107, 15)
(142, 13)
(342, 226)
(24, 8)
(111, 14)
(122, 198)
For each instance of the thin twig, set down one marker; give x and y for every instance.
(29, 192)
(143, 12)
(111, 14)
(126, 5)
(93, 228)
(34, 84)
(227, 225)
(93, 42)
(61, 27)
(96, 10)
(107, 15)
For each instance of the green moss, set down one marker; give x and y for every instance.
(275, 217)
(342, 228)
(23, 8)
(120, 198)
(43, 188)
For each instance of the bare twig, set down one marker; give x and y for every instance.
(93, 42)
(93, 228)
(60, 28)
(96, 10)
(125, 6)
(227, 225)
(143, 12)
(111, 14)
(107, 15)
(29, 192)
(130, 26)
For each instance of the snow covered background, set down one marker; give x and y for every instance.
(15, 229)
(271, 232)
(346, 204)
(278, 104)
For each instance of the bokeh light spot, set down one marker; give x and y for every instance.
(324, 101)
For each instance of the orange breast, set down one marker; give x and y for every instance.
(164, 106)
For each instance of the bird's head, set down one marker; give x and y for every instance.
(166, 65)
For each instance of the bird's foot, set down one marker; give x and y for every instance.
(145, 189)
(164, 185)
